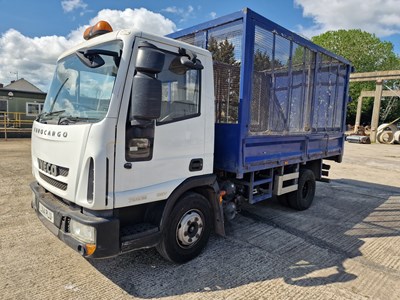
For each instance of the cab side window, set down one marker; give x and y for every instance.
(180, 91)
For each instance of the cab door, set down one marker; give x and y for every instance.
(154, 156)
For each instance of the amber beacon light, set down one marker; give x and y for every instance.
(99, 28)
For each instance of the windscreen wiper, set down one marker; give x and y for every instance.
(66, 120)
(53, 113)
(45, 115)
(58, 93)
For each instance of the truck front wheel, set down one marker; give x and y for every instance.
(187, 230)
(304, 196)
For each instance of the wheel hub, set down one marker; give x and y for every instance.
(189, 229)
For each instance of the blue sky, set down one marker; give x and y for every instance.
(47, 17)
(34, 33)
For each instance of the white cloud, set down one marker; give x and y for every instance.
(213, 15)
(173, 10)
(183, 13)
(34, 58)
(140, 18)
(70, 5)
(381, 17)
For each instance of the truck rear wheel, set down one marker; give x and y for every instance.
(304, 196)
(187, 231)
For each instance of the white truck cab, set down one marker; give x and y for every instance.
(128, 119)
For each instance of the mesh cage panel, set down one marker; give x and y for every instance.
(262, 80)
(329, 99)
(225, 44)
(226, 89)
(295, 88)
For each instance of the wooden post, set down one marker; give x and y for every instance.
(358, 115)
(375, 112)
(5, 126)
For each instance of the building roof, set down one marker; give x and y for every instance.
(22, 85)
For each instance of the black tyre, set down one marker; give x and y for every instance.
(304, 196)
(187, 230)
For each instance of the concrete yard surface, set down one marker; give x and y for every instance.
(346, 246)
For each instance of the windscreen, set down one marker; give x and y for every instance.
(81, 90)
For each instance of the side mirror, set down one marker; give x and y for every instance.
(149, 59)
(189, 59)
(146, 88)
(191, 64)
(145, 97)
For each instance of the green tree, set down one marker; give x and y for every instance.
(367, 54)
(222, 51)
(226, 80)
(262, 61)
(298, 56)
(366, 51)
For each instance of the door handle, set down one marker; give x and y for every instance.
(196, 164)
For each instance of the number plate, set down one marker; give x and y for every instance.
(47, 213)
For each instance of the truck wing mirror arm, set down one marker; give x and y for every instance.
(92, 58)
(196, 65)
(189, 59)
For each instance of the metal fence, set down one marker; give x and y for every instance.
(14, 122)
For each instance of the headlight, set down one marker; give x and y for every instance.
(84, 233)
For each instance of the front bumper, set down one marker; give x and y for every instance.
(107, 237)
